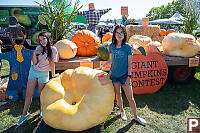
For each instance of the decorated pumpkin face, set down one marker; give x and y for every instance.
(87, 42)
(149, 73)
(76, 100)
(66, 49)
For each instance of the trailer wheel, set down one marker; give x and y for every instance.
(181, 74)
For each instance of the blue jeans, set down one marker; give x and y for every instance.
(121, 79)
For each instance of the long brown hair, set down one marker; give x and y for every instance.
(48, 46)
(114, 40)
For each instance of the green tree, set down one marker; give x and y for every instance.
(191, 17)
(58, 17)
(132, 20)
(167, 11)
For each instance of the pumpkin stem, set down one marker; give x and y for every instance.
(86, 44)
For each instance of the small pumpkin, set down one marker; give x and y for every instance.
(163, 32)
(66, 49)
(107, 37)
(142, 40)
(87, 42)
(76, 100)
(170, 31)
(102, 52)
(154, 47)
(180, 44)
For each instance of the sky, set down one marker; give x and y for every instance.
(137, 9)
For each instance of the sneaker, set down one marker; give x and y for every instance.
(141, 121)
(23, 118)
(123, 116)
(41, 114)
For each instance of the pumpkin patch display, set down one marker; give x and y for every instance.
(102, 52)
(66, 49)
(154, 48)
(76, 100)
(180, 44)
(163, 32)
(87, 42)
(107, 37)
(142, 40)
(149, 73)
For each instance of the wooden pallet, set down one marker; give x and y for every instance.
(94, 62)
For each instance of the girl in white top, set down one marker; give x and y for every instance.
(43, 61)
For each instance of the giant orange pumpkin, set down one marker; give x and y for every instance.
(87, 42)
(142, 40)
(107, 37)
(76, 100)
(163, 32)
(66, 49)
(149, 73)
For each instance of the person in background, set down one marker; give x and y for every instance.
(43, 61)
(124, 20)
(93, 16)
(120, 70)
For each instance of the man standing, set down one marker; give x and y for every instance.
(93, 16)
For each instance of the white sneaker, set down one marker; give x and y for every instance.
(123, 116)
(141, 121)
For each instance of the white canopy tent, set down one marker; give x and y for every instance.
(165, 21)
(177, 17)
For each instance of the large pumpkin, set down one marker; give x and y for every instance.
(66, 49)
(76, 100)
(180, 44)
(142, 40)
(149, 73)
(107, 37)
(87, 42)
(154, 47)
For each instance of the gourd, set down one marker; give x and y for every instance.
(66, 49)
(76, 100)
(102, 52)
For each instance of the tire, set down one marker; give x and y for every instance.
(181, 74)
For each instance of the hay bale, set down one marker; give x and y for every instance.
(150, 31)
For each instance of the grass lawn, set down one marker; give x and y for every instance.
(5, 69)
(165, 111)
